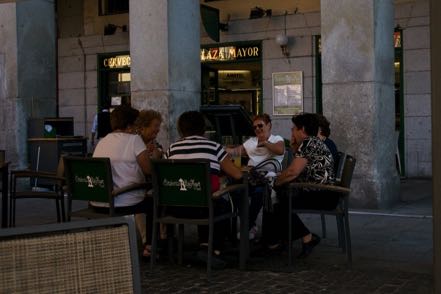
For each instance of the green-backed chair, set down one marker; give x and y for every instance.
(343, 188)
(186, 183)
(90, 179)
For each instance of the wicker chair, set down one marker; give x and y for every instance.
(97, 256)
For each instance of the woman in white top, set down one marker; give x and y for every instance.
(130, 164)
(263, 147)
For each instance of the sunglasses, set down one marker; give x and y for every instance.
(258, 126)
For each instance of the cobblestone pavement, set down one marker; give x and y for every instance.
(392, 253)
(313, 279)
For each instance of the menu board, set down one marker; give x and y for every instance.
(287, 93)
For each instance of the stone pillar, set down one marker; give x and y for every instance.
(435, 65)
(27, 72)
(36, 66)
(165, 59)
(358, 94)
(8, 80)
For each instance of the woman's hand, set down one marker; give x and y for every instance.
(157, 153)
(277, 148)
(263, 144)
(153, 151)
(292, 171)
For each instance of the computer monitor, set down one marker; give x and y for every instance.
(58, 127)
(229, 120)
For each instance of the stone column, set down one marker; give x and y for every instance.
(358, 94)
(29, 68)
(435, 65)
(8, 80)
(165, 59)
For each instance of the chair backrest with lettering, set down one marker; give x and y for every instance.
(178, 182)
(89, 178)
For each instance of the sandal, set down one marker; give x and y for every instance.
(147, 253)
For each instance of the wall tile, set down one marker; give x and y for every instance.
(417, 82)
(417, 60)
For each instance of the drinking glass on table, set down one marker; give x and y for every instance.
(237, 158)
(236, 154)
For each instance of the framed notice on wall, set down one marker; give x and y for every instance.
(287, 93)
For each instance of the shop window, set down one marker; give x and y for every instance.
(107, 7)
(114, 79)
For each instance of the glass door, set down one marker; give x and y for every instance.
(114, 80)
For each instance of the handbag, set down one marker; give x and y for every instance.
(257, 177)
(269, 165)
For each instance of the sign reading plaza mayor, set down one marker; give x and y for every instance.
(287, 93)
(229, 53)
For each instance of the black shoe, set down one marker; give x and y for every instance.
(308, 247)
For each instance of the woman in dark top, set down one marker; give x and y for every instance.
(312, 162)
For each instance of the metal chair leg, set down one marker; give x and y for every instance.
(170, 236)
(181, 243)
(13, 205)
(290, 249)
(63, 210)
(323, 219)
(154, 244)
(210, 248)
(341, 232)
(57, 207)
(348, 239)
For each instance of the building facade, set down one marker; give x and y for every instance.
(95, 58)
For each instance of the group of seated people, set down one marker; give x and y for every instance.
(132, 143)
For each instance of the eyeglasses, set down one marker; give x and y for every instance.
(258, 126)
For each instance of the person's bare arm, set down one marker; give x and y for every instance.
(277, 148)
(228, 167)
(144, 162)
(238, 150)
(292, 172)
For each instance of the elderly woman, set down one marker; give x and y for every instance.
(261, 149)
(147, 125)
(312, 162)
(264, 145)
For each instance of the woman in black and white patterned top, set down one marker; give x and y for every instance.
(312, 162)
